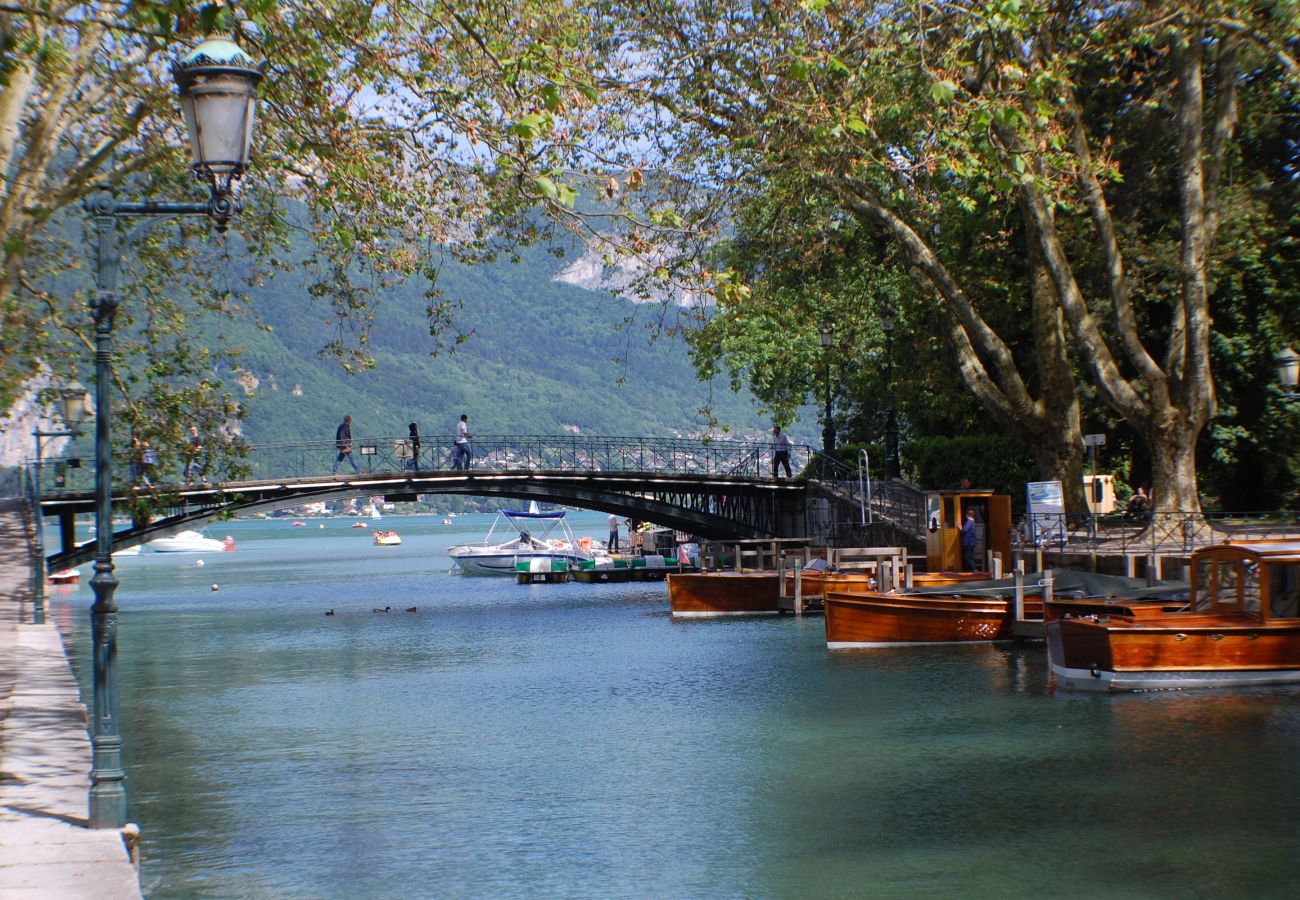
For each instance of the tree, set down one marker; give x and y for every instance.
(410, 131)
(923, 122)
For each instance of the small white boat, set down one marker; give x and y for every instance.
(65, 576)
(190, 542)
(387, 539)
(501, 558)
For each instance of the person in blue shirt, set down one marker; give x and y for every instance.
(968, 542)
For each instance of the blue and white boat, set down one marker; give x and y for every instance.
(500, 558)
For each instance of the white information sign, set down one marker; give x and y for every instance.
(1045, 509)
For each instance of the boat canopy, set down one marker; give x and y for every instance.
(559, 514)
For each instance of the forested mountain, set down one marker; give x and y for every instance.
(542, 357)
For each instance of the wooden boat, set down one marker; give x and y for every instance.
(816, 583)
(724, 593)
(963, 612)
(1240, 627)
(873, 619)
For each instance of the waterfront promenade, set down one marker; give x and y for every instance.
(46, 850)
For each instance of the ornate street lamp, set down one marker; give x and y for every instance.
(827, 333)
(218, 90)
(1288, 371)
(73, 410)
(888, 322)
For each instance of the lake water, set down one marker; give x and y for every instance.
(572, 740)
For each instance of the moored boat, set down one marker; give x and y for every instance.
(65, 576)
(502, 557)
(724, 593)
(964, 612)
(1240, 627)
(190, 542)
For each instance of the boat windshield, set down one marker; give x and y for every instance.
(1284, 590)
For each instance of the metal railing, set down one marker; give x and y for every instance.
(389, 455)
(1163, 533)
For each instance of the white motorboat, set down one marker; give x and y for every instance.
(500, 558)
(190, 542)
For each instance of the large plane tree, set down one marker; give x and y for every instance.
(922, 120)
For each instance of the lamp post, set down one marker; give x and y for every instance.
(72, 406)
(217, 83)
(827, 333)
(1288, 371)
(888, 322)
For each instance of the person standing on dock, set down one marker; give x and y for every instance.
(461, 453)
(968, 541)
(613, 533)
(343, 440)
(780, 451)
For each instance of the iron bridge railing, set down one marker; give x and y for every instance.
(386, 456)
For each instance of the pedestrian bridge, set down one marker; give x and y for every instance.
(714, 489)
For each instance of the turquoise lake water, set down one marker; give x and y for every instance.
(573, 740)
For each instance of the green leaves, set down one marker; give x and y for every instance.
(943, 91)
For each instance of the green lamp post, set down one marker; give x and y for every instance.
(217, 83)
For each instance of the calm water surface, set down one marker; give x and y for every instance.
(574, 741)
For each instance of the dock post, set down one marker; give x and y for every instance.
(1047, 590)
(1152, 562)
(1020, 591)
(1130, 566)
(798, 588)
(996, 567)
(1038, 559)
(907, 577)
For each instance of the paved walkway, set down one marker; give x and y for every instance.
(46, 850)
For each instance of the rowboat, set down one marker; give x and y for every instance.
(1240, 627)
(964, 612)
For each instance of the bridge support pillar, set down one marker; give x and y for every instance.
(67, 531)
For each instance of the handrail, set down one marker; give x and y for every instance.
(388, 454)
(864, 468)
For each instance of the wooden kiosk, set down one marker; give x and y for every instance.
(945, 512)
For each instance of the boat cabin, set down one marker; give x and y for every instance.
(945, 512)
(1260, 579)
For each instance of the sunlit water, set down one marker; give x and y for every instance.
(574, 741)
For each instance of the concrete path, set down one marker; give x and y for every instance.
(46, 850)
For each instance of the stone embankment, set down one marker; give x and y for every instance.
(46, 850)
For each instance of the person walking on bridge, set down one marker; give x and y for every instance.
(780, 451)
(343, 440)
(461, 453)
(414, 441)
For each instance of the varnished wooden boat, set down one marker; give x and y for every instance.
(874, 619)
(724, 593)
(962, 612)
(816, 583)
(1241, 627)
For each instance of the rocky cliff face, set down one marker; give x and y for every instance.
(27, 415)
(591, 273)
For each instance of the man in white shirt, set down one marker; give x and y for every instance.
(780, 451)
(461, 454)
(613, 533)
